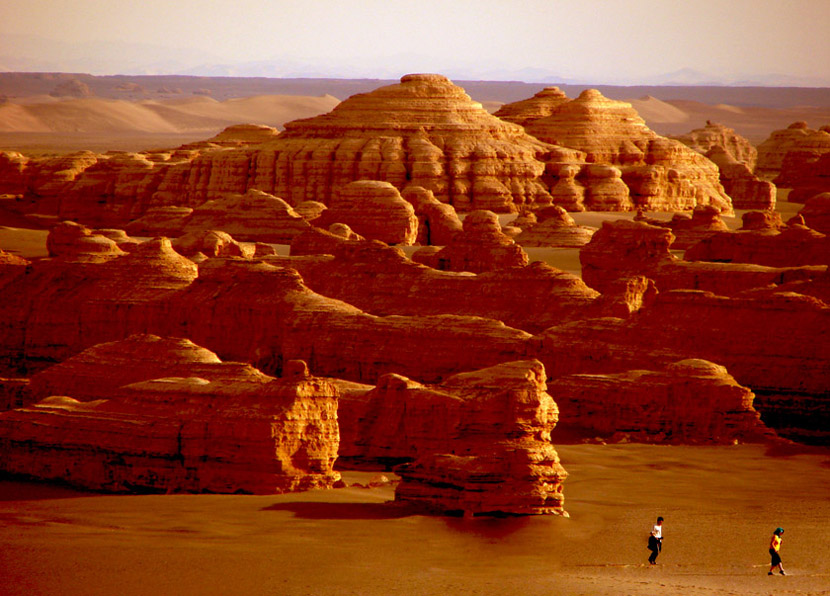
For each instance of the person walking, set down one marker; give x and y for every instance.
(774, 552)
(655, 541)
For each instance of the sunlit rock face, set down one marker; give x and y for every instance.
(480, 246)
(478, 443)
(553, 227)
(233, 430)
(689, 229)
(784, 153)
(812, 178)
(779, 360)
(691, 401)
(380, 280)
(816, 213)
(541, 105)
(374, 210)
(661, 174)
(622, 249)
(714, 135)
(746, 189)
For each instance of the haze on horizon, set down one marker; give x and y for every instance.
(625, 42)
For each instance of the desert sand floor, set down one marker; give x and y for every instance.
(721, 505)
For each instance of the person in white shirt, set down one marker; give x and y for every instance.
(655, 541)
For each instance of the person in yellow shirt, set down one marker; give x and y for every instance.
(774, 551)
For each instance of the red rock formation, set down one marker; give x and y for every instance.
(381, 280)
(252, 217)
(14, 393)
(374, 210)
(11, 266)
(317, 241)
(480, 440)
(689, 229)
(251, 434)
(816, 213)
(540, 105)
(746, 189)
(813, 179)
(13, 176)
(438, 222)
(555, 228)
(75, 241)
(481, 246)
(691, 401)
(160, 221)
(211, 243)
(779, 359)
(762, 220)
(662, 174)
(795, 245)
(772, 152)
(623, 249)
(801, 160)
(714, 135)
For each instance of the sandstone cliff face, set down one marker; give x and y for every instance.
(317, 241)
(812, 179)
(689, 229)
(438, 222)
(622, 249)
(181, 434)
(481, 246)
(374, 210)
(479, 441)
(691, 401)
(68, 239)
(662, 174)
(11, 266)
(201, 244)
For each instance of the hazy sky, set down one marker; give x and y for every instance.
(612, 40)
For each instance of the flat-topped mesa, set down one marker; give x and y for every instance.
(714, 135)
(423, 131)
(380, 280)
(374, 210)
(238, 433)
(662, 174)
(478, 443)
(689, 402)
(799, 138)
(746, 189)
(540, 105)
(481, 246)
(795, 245)
(623, 249)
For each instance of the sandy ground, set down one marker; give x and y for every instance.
(720, 504)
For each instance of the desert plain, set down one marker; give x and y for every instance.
(721, 502)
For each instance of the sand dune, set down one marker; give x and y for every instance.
(180, 115)
(654, 111)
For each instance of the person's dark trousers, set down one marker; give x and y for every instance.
(654, 546)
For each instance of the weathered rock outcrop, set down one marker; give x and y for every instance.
(211, 243)
(479, 441)
(160, 221)
(554, 228)
(381, 280)
(622, 249)
(796, 137)
(541, 105)
(793, 246)
(250, 434)
(691, 401)
(766, 339)
(812, 179)
(481, 246)
(746, 190)
(72, 240)
(662, 174)
(251, 217)
(816, 213)
(713, 135)
(689, 229)
(437, 221)
(374, 210)
(317, 241)
(11, 266)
